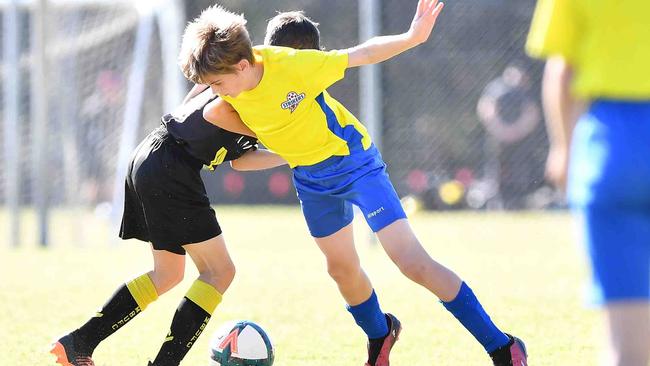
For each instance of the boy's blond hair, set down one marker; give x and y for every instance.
(213, 43)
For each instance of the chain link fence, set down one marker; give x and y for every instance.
(441, 148)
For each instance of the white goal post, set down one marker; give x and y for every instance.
(72, 43)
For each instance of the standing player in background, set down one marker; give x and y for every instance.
(596, 92)
(280, 94)
(166, 204)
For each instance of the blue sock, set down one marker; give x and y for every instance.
(466, 308)
(370, 318)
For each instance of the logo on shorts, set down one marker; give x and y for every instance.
(376, 212)
(293, 99)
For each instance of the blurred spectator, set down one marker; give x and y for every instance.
(509, 113)
(97, 138)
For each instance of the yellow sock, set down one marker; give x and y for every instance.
(142, 290)
(204, 295)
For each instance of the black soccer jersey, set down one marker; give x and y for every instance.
(201, 139)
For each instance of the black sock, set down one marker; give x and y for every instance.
(189, 321)
(127, 302)
(119, 309)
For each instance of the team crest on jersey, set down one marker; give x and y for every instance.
(293, 99)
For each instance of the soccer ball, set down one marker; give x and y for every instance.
(241, 343)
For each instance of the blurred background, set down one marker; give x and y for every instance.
(458, 119)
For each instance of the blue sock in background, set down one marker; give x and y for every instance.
(466, 308)
(370, 318)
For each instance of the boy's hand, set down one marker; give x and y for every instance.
(557, 165)
(424, 20)
(245, 143)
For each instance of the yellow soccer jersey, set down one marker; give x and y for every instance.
(607, 42)
(291, 112)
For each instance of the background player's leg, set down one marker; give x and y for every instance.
(216, 272)
(609, 186)
(628, 330)
(619, 248)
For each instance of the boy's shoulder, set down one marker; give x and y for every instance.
(275, 54)
(279, 54)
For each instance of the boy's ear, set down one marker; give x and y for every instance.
(242, 65)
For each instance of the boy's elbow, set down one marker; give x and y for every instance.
(236, 165)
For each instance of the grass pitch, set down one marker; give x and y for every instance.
(525, 268)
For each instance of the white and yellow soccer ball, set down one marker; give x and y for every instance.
(241, 343)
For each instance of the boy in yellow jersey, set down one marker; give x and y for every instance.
(166, 205)
(596, 92)
(279, 93)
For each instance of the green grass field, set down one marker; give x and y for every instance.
(525, 268)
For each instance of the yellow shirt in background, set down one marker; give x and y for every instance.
(607, 42)
(291, 112)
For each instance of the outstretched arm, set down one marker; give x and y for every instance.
(257, 160)
(221, 114)
(378, 49)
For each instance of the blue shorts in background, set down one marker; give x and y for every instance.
(609, 187)
(328, 189)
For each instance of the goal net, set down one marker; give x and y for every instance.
(69, 129)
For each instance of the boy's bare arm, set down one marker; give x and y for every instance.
(257, 160)
(378, 49)
(196, 90)
(221, 114)
(562, 111)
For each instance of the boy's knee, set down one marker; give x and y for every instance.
(229, 272)
(412, 266)
(223, 276)
(415, 271)
(340, 271)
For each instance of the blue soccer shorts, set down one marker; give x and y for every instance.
(327, 191)
(609, 187)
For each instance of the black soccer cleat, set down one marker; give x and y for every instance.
(67, 354)
(379, 349)
(512, 354)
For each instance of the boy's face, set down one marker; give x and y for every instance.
(226, 84)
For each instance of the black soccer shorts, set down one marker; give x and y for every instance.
(165, 201)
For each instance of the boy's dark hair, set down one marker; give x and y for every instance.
(293, 29)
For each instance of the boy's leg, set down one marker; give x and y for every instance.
(618, 239)
(344, 267)
(375, 195)
(127, 302)
(628, 333)
(329, 218)
(216, 272)
(405, 250)
(609, 187)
